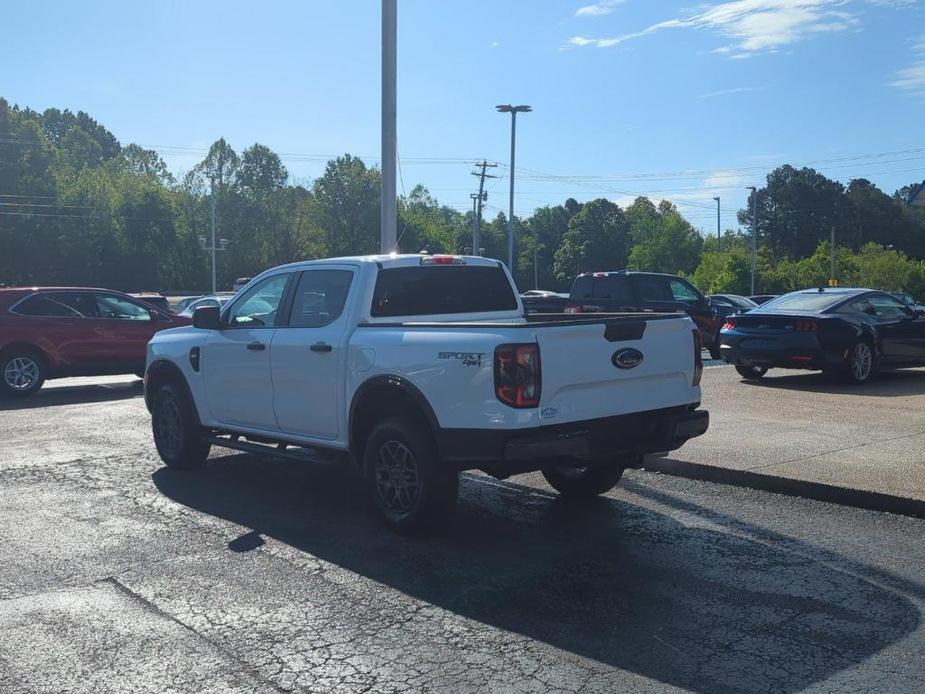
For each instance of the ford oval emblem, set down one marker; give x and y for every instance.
(628, 358)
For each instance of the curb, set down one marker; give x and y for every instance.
(817, 491)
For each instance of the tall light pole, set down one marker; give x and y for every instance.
(389, 208)
(718, 232)
(212, 210)
(754, 197)
(513, 110)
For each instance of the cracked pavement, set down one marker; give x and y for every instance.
(266, 576)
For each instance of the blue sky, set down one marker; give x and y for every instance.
(678, 100)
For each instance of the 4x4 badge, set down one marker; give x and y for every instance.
(627, 358)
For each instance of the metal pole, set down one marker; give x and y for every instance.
(212, 208)
(536, 274)
(718, 232)
(510, 219)
(832, 242)
(389, 208)
(754, 234)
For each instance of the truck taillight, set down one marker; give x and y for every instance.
(698, 358)
(517, 375)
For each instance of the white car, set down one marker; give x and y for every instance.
(416, 367)
(218, 300)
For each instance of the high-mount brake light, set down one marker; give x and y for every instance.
(698, 358)
(442, 260)
(517, 375)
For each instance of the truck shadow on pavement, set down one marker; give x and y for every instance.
(74, 395)
(655, 585)
(888, 384)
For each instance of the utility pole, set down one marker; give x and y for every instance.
(222, 244)
(475, 223)
(719, 234)
(832, 281)
(536, 273)
(754, 234)
(513, 110)
(389, 206)
(482, 197)
(212, 209)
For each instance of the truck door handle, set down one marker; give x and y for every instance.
(256, 346)
(321, 347)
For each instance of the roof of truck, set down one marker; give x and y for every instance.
(393, 260)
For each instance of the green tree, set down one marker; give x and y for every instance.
(597, 239)
(663, 241)
(345, 212)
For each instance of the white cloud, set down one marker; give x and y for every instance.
(734, 90)
(598, 8)
(753, 26)
(912, 78)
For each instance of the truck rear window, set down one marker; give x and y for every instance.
(440, 289)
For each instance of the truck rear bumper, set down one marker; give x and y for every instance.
(507, 452)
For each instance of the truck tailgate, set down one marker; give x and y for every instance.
(581, 378)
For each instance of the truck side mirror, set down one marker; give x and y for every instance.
(207, 318)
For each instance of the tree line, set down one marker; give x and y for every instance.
(79, 208)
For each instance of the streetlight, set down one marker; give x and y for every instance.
(388, 215)
(754, 197)
(513, 110)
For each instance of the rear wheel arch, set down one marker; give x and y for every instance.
(382, 397)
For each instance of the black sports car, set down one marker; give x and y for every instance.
(854, 332)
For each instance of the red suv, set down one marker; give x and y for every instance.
(52, 332)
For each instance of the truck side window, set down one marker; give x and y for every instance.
(258, 306)
(320, 297)
(682, 291)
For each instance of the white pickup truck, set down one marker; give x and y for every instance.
(416, 367)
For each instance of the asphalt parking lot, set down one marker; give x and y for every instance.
(253, 575)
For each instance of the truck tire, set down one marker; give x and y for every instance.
(22, 372)
(584, 482)
(411, 487)
(177, 434)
